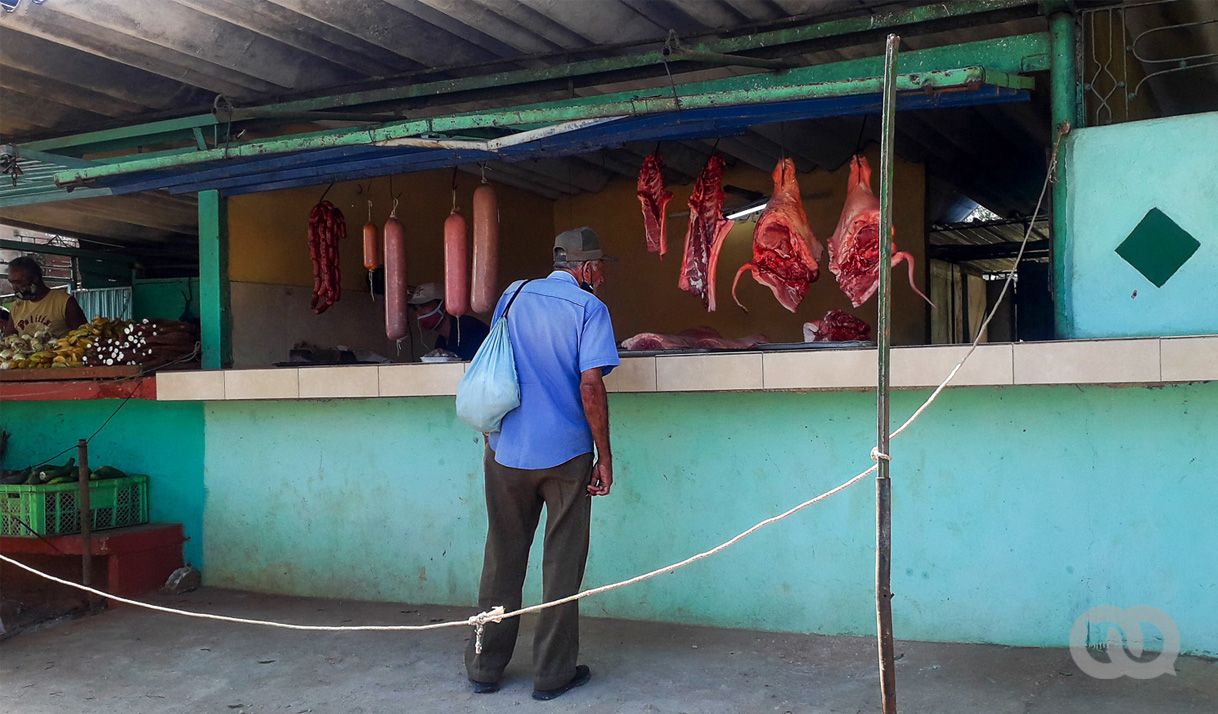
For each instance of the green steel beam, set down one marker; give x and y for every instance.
(1002, 58)
(743, 43)
(122, 136)
(215, 323)
(48, 194)
(1005, 56)
(600, 108)
(63, 250)
(1064, 109)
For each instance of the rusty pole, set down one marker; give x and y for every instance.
(86, 525)
(883, 486)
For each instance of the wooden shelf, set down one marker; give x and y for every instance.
(77, 389)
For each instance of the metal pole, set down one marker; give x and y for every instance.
(883, 487)
(1063, 105)
(86, 524)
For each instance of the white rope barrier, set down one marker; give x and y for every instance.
(497, 614)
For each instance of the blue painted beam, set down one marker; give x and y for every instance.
(355, 162)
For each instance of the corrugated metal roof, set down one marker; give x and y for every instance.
(71, 65)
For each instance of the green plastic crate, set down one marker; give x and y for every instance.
(55, 510)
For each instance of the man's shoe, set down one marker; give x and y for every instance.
(582, 675)
(484, 687)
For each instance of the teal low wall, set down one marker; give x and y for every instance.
(161, 439)
(1115, 175)
(1015, 509)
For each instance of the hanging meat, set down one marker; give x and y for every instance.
(485, 290)
(327, 227)
(836, 326)
(704, 237)
(372, 243)
(785, 252)
(693, 338)
(854, 249)
(395, 276)
(654, 199)
(456, 264)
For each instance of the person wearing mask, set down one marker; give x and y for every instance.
(543, 455)
(38, 306)
(460, 335)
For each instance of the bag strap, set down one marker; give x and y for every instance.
(514, 296)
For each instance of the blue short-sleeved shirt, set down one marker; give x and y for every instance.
(558, 330)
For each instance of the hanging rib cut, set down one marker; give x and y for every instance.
(854, 248)
(785, 252)
(704, 237)
(654, 198)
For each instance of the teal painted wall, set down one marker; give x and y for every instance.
(164, 298)
(161, 439)
(1115, 174)
(1015, 509)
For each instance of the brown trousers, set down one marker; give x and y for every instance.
(514, 498)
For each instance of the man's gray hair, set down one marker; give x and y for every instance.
(569, 264)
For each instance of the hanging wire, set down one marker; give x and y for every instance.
(323, 193)
(858, 143)
(671, 43)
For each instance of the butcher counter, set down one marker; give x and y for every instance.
(360, 483)
(1121, 361)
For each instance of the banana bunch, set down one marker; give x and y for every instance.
(41, 351)
(25, 351)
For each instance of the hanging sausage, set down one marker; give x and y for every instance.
(326, 228)
(456, 262)
(394, 236)
(485, 291)
(372, 247)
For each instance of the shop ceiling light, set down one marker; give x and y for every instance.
(747, 211)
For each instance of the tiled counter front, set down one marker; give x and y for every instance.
(1133, 361)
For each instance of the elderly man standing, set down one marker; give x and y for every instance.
(543, 455)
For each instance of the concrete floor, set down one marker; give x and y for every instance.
(128, 661)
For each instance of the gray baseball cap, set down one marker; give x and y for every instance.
(425, 293)
(578, 245)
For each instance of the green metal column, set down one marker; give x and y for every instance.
(1063, 81)
(213, 281)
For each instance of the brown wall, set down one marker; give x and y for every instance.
(268, 247)
(267, 230)
(272, 278)
(642, 294)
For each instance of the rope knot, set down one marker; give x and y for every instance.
(478, 622)
(877, 455)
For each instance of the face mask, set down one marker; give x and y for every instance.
(438, 310)
(28, 294)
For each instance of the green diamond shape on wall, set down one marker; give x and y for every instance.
(1157, 247)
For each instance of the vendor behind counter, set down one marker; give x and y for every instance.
(37, 306)
(460, 335)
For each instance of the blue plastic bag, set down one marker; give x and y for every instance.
(490, 388)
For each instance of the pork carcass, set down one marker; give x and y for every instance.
(693, 338)
(854, 248)
(836, 326)
(704, 237)
(785, 252)
(654, 198)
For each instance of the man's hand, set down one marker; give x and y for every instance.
(602, 478)
(596, 410)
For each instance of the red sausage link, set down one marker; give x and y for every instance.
(456, 265)
(486, 250)
(395, 279)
